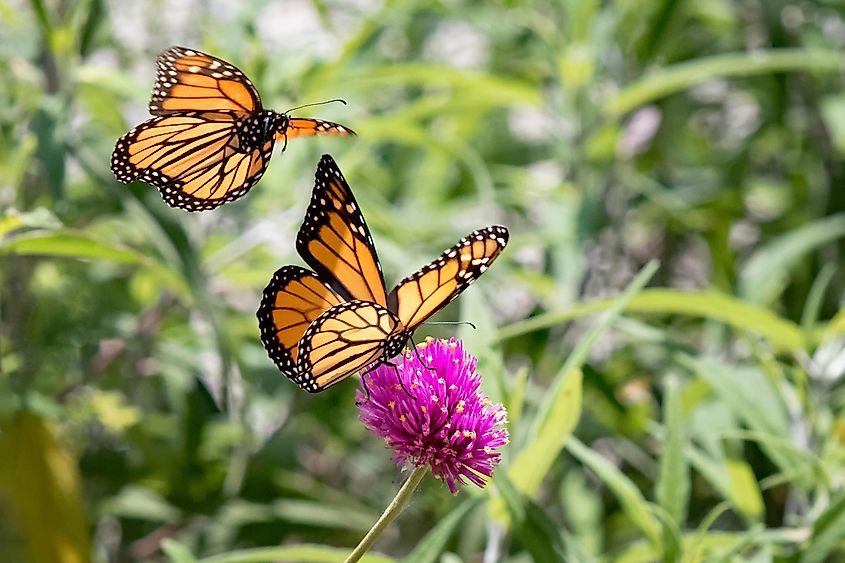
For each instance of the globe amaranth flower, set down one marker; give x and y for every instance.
(440, 418)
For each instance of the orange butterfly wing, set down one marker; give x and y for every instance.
(189, 80)
(342, 340)
(291, 301)
(420, 295)
(305, 127)
(194, 159)
(335, 241)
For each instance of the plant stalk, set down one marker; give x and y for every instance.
(390, 513)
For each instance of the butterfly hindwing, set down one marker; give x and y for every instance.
(292, 300)
(189, 80)
(335, 241)
(420, 295)
(194, 159)
(341, 341)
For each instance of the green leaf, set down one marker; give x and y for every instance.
(481, 342)
(744, 489)
(303, 553)
(516, 395)
(625, 491)
(828, 531)
(673, 482)
(431, 545)
(766, 273)
(833, 112)
(40, 218)
(752, 399)
(681, 76)
(322, 514)
(39, 482)
(136, 501)
(177, 552)
(487, 89)
(584, 512)
(579, 355)
(69, 245)
(782, 334)
(531, 526)
(534, 461)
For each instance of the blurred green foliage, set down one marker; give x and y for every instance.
(698, 419)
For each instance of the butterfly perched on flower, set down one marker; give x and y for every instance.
(321, 326)
(211, 139)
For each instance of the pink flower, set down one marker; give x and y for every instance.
(450, 423)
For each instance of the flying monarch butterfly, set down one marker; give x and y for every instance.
(211, 139)
(321, 326)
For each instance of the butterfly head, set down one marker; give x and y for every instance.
(280, 122)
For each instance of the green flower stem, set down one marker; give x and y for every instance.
(390, 513)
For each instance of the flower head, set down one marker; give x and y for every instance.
(440, 418)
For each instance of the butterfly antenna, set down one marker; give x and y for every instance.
(452, 323)
(317, 104)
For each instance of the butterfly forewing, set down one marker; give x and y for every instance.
(195, 159)
(305, 127)
(419, 296)
(320, 327)
(335, 241)
(292, 300)
(341, 341)
(189, 80)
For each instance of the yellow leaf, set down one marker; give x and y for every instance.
(40, 485)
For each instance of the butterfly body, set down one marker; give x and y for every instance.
(256, 131)
(321, 326)
(211, 139)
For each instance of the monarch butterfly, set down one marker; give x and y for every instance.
(211, 139)
(321, 326)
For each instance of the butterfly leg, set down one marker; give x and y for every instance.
(399, 378)
(417, 354)
(364, 384)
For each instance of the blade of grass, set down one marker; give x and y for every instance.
(766, 273)
(625, 491)
(673, 482)
(675, 78)
(828, 531)
(303, 553)
(177, 552)
(532, 527)
(431, 545)
(582, 350)
(782, 334)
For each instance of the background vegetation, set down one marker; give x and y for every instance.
(696, 416)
